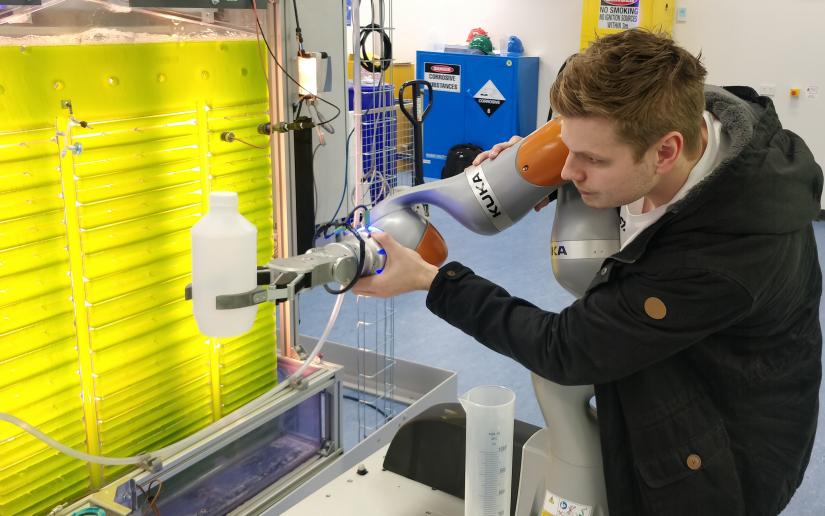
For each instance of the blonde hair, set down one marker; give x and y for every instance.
(640, 80)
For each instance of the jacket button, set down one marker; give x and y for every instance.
(603, 271)
(694, 461)
(451, 274)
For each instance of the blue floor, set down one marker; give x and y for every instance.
(518, 260)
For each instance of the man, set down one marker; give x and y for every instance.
(702, 333)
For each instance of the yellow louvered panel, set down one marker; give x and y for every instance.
(124, 402)
(33, 337)
(20, 173)
(33, 396)
(122, 233)
(32, 201)
(32, 229)
(247, 363)
(44, 467)
(138, 254)
(132, 181)
(39, 380)
(42, 254)
(132, 207)
(42, 501)
(97, 346)
(142, 300)
(31, 311)
(156, 428)
(139, 190)
(166, 347)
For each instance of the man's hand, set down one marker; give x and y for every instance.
(496, 150)
(404, 271)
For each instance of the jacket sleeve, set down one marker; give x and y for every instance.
(616, 329)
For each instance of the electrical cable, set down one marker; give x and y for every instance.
(324, 124)
(298, 33)
(346, 176)
(261, 57)
(151, 499)
(250, 144)
(362, 256)
(362, 251)
(351, 215)
(367, 403)
(290, 77)
(314, 183)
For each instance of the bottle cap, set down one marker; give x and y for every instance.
(223, 200)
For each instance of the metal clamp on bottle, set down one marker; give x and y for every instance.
(286, 277)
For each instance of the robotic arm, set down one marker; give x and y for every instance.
(486, 199)
(494, 195)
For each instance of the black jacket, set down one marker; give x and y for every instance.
(731, 372)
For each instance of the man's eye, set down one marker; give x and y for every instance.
(594, 160)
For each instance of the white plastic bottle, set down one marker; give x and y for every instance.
(224, 251)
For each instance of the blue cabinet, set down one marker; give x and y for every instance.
(477, 99)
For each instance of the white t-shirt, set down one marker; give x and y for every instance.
(633, 221)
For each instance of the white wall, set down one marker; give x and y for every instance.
(750, 42)
(756, 42)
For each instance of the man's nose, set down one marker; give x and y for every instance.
(571, 172)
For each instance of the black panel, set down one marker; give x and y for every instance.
(304, 190)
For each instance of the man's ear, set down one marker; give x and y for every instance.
(668, 149)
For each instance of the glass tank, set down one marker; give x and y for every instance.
(110, 141)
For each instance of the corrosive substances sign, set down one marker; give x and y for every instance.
(443, 77)
(489, 98)
(619, 14)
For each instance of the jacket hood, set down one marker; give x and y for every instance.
(768, 181)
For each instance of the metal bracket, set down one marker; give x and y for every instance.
(151, 464)
(255, 296)
(283, 287)
(327, 448)
(297, 383)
